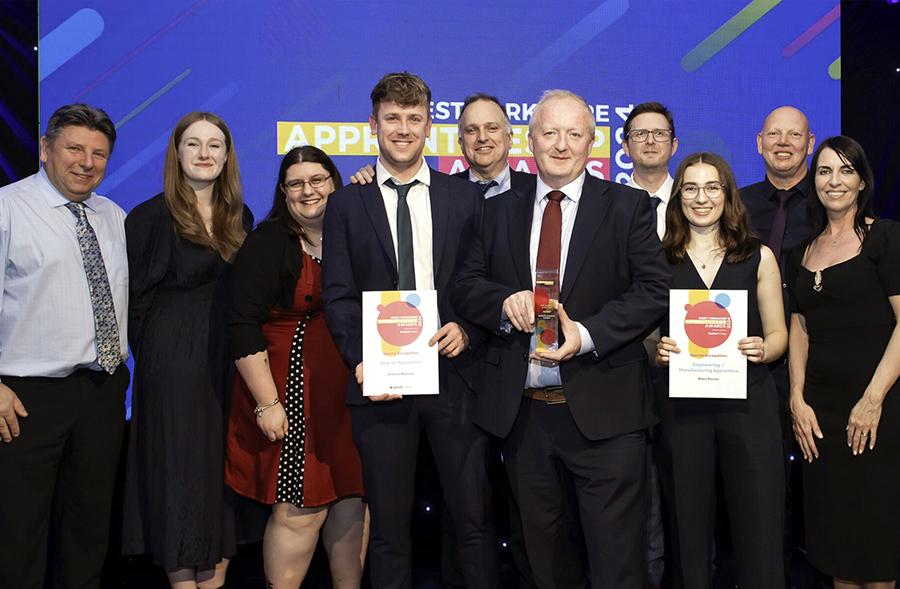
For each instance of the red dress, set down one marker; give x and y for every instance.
(317, 463)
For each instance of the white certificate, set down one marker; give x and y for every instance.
(706, 325)
(397, 359)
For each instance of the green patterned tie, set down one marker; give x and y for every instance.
(101, 296)
(406, 269)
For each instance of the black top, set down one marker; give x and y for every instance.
(266, 271)
(761, 200)
(762, 204)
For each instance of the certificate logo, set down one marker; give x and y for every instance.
(399, 322)
(707, 324)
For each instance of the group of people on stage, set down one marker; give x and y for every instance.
(248, 378)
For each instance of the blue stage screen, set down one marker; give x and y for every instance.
(283, 72)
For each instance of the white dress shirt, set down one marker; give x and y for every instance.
(46, 317)
(503, 180)
(419, 201)
(538, 375)
(664, 192)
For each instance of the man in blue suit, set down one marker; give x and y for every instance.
(578, 415)
(405, 231)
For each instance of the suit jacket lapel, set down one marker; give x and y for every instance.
(591, 210)
(439, 193)
(374, 205)
(520, 214)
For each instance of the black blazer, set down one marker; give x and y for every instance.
(358, 255)
(266, 270)
(517, 180)
(616, 284)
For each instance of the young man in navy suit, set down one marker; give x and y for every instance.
(578, 415)
(405, 231)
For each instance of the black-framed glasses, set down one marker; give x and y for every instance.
(314, 182)
(640, 135)
(711, 189)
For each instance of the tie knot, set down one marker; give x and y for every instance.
(556, 195)
(76, 208)
(402, 189)
(655, 201)
(783, 196)
(486, 185)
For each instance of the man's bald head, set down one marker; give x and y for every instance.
(784, 142)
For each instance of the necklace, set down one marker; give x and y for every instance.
(818, 281)
(703, 263)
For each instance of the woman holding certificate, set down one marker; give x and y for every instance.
(289, 438)
(844, 364)
(709, 245)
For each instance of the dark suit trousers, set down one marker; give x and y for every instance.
(387, 436)
(609, 476)
(58, 475)
(744, 438)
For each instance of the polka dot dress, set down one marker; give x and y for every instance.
(289, 487)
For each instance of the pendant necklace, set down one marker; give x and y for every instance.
(703, 263)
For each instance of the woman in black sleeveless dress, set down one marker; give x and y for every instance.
(710, 246)
(844, 367)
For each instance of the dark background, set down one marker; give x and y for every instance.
(870, 96)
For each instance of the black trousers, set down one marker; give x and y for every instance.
(507, 517)
(544, 453)
(387, 437)
(744, 439)
(58, 478)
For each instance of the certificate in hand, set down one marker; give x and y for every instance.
(397, 359)
(706, 325)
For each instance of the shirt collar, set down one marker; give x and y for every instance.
(802, 187)
(664, 192)
(423, 174)
(572, 190)
(499, 179)
(54, 198)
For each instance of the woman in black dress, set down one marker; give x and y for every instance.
(709, 245)
(844, 364)
(179, 245)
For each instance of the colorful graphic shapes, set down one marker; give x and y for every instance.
(707, 325)
(726, 33)
(399, 323)
(812, 32)
(834, 70)
(68, 39)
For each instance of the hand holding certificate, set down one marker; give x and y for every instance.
(707, 325)
(398, 358)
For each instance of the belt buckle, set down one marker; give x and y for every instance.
(549, 391)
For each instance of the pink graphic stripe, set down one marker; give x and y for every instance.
(156, 36)
(812, 32)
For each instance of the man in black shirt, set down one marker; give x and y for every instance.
(777, 207)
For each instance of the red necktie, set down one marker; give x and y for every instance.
(548, 253)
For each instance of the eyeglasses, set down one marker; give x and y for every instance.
(314, 182)
(692, 191)
(640, 135)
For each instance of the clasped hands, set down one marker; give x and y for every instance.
(519, 309)
(451, 340)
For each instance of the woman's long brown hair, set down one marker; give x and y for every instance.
(228, 203)
(736, 238)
